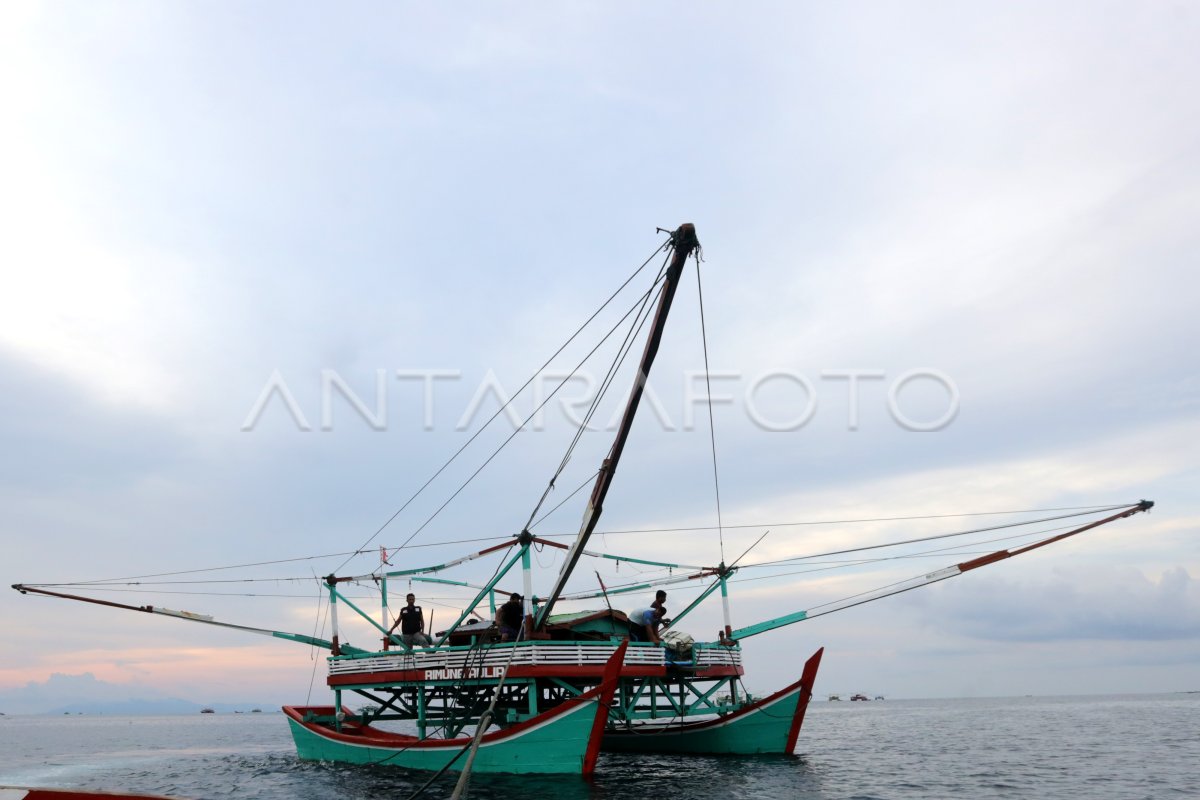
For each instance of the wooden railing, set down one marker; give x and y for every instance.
(535, 653)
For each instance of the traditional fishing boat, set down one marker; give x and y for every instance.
(561, 687)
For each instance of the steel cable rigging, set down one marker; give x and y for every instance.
(532, 377)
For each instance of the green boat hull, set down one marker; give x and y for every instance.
(563, 739)
(770, 725)
(553, 745)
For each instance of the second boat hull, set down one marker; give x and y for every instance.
(770, 725)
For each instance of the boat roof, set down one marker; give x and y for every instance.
(585, 616)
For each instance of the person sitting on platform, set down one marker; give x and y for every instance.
(412, 625)
(510, 618)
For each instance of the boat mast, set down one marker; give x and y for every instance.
(683, 242)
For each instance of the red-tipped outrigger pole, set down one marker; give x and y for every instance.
(945, 573)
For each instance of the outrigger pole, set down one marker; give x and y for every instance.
(683, 242)
(931, 577)
(192, 617)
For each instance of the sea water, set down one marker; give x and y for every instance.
(1128, 746)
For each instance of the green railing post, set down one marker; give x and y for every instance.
(725, 600)
(527, 586)
(333, 620)
(384, 619)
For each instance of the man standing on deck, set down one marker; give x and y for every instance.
(659, 604)
(412, 625)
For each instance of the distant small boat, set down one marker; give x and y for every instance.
(878, 697)
(207, 711)
(256, 711)
(834, 697)
(860, 696)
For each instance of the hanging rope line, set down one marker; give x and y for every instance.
(525, 385)
(614, 367)
(622, 351)
(956, 550)
(815, 566)
(521, 427)
(712, 429)
(318, 621)
(929, 538)
(850, 601)
(849, 521)
(586, 482)
(935, 576)
(819, 566)
(500, 538)
(825, 566)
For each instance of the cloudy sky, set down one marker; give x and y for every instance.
(204, 201)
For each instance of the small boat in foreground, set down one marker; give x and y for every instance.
(37, 793)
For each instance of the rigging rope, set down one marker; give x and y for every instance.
(930, 538)
(520, 428)
(103, 581)
(318, 621)
(712, 430)
(578, 489)
(539, 371)
(826, 566)
(848, 521)
(817, 566)
(622, 351)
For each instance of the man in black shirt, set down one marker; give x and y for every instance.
(412, 625)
